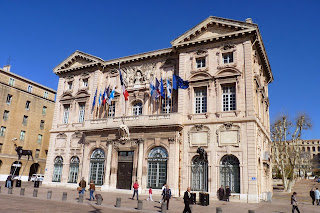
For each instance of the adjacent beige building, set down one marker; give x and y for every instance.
(224, 111)
(26, 109)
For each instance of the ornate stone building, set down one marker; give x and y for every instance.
(26, 109)
(224, 115)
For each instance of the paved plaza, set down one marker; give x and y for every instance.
(27, 203)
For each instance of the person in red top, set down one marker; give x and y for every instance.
(150, 194)
(135, 189)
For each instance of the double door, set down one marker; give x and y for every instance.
(125, 166)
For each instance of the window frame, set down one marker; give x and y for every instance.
(46, 94)
(11, 81)
(228, 95)
(202, 100)
(228, 58)
(5, 116)
(3, 131)
(44, 110)
(25, 120)
(27, 107)
(39, 140)
(22, 135)
(81, 112)
(201, 62)
(9, 99)
(65, 118)
(137, 108)
(29, 88)
(112, 109)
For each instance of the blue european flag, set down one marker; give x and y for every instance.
(163, 95)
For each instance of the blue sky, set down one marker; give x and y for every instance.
(38, 35)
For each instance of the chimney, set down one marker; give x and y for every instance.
(7, 68)
(249, 20)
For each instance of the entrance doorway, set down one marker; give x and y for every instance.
(33, 169)
(125, 165)
(15, 168)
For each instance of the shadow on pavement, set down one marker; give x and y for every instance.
(96, 210)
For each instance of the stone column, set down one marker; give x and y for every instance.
(108, 166)
(140, 161)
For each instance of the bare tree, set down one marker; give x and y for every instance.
(285, 147)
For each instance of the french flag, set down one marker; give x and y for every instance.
(125, 92)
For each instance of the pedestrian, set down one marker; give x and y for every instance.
(150, 194)
(9, 178)
(294, 202)
(228, 193)
(317, 196)
(135, 189)
(187, 199)
(92, 189)
(83, 185)
(312, 196)
(167, 195)
(221, 193)
(162, 194)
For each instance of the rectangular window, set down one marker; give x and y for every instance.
(42, 124)
(200, 100)
(229, 98)
(111, 110)
(9, 99)
(313, 149)
(37, 153)
(25, 120)
(85, 82)
(28, 105)
(69, 85)
(5, 115)
(81, 112)
(30, 88)
(46, 94)
(44, 110)
(227, 58)
(201, 62)
(1, 145)
(46, 151)
(39, 139)
(11, 81)
(22, 135)
(166, 105)
(2, 131)
(66, 113)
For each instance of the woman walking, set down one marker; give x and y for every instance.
(92, 189)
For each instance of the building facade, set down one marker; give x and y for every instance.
(215, 132)
(26, 117)
(310, 149)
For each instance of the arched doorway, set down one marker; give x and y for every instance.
(157, 167)
(199, 174)
(33, 169)
(97, 166)
(57, 170)
(15, 168)
(74, 169)
(230, 173)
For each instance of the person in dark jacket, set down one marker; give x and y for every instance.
(221, 193)
(9, 179)
(187, 199)
(167, 195)
(228, 193)
(83, 185)
(312, 196)
(294, 202)
(92, 189)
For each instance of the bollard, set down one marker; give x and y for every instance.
(35, 192)
(118, 202)
(10, 190)
(99, 200)
(163, 207)
(49, 195)
(80, 198)
(0, 189)
(218, 210)
(64, 196)
(22, 191)
(140, 204)
(250, 211)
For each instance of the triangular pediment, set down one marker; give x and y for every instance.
(77, 59)
(213, 27)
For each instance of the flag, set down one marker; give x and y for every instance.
(94, 99)
(107, 95)
(104, 97)
(157, 89)
(162, 89)
(124, 91)
(111, 95)
(174, 82)
(169, 89)
(151, 88)
(99, 103)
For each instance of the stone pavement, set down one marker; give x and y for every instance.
(17, 203)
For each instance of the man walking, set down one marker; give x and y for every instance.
(187, 201)
(312, 196)
(228, 193)
(9, 181)
(294, 202)
(167, 195)
(221, 193)
(317, 196)
(135, 189)
(162, 189)
(83, 185)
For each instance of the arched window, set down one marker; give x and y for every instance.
(15, 168)
(230, 173)
(74, 169)
(97, 166)
(57, 170)
(137, 108)
(157, 167)
(199, 174)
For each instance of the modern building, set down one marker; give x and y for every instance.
(223, 114)
(26, 109)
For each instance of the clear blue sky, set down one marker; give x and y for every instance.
(38, 35)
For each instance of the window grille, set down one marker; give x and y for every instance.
(2, 131)
(111, 110)
(9, 99)
(97, 166)
(137, 108)
(74, 169)
(201, 62)
(200, 100)
(5, 115)
(157, 167)
(229, 98)
(66, 114)
(81, 112)
(166, 105)
(227, 58)
(57, 170)
(230, 173)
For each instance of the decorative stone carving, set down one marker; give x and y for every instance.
(202, 154)
(228, 46)
(124, 133)
(228, 134)
(199, 127)
(228, 125)
(199, 135)
(201, 52)
(171, 140)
